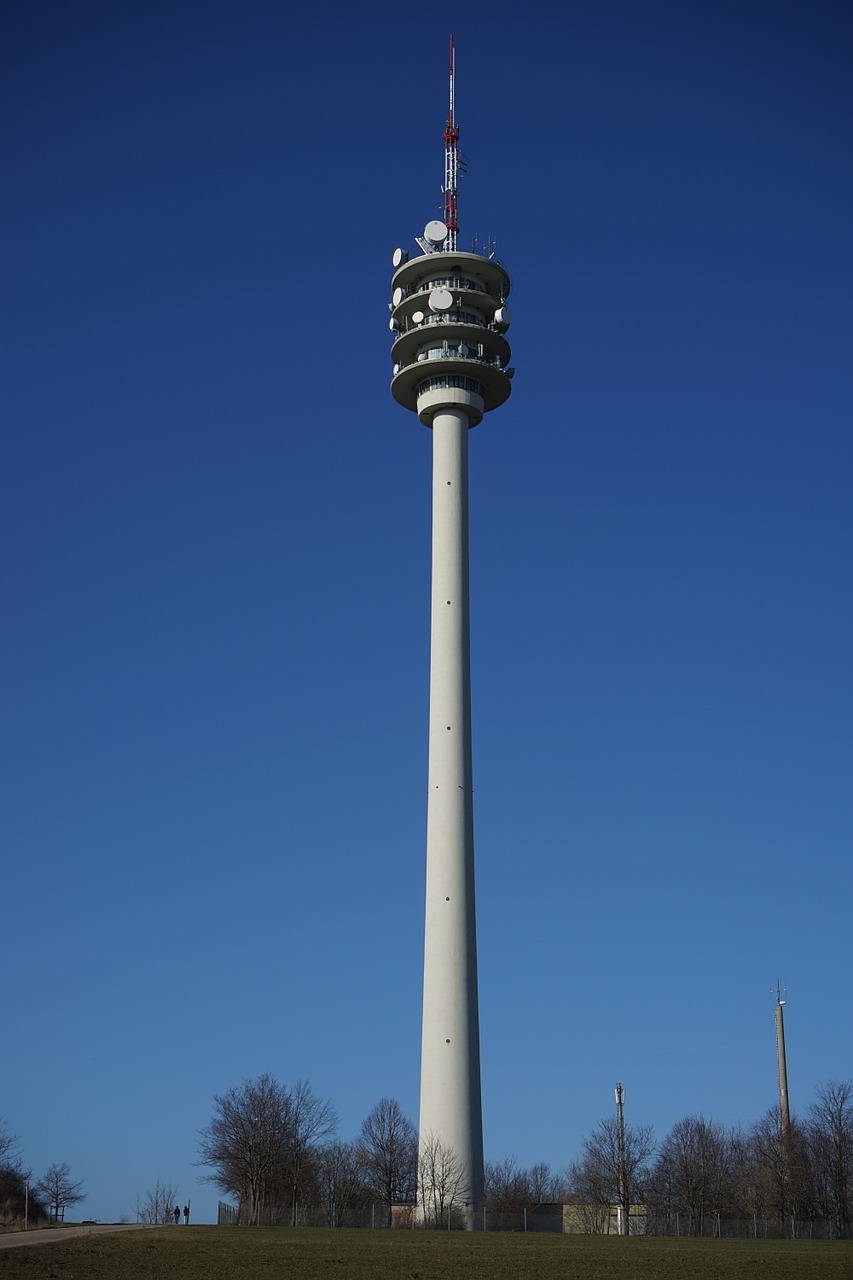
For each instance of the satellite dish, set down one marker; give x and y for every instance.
(396, 370)
(435, 232)
(393, 324)
(417, 317)
(463, 350)
(440, 299)
(399, 256)
(397, 297)
(503, 319)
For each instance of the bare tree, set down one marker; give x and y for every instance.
(59, 1189)
(693, 1176)
(14, 1196)
(390, 1145)
(311, 1119)
(155, 1206)
(507, 1186)
(773, 1171)
(545, 1187)
(596, 1180)
(245, 1144)
(341, 1168)
(830, 1130)
(10, 1153)
(262, 1144)
(442, 1184)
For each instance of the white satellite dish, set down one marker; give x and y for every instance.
(440, 299)
(399, 256)
(503, 319)
(417, 317)
(397, 296)
(393, 324)
(435, 232)
(463, 350)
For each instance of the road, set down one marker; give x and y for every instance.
(44, 1235)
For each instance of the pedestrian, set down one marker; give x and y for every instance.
(186, 1215)
(177, 1214)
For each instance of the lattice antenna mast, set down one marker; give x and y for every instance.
(451, 165)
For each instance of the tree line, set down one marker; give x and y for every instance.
(24, 1199)
(274, 1149)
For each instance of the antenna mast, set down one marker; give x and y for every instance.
(451, 166)
(781, 1060)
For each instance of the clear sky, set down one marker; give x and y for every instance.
(215, 570)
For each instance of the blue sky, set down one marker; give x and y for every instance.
(216, 564)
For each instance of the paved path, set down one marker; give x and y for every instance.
(44, 1235)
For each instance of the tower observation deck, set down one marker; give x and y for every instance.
(449, 318)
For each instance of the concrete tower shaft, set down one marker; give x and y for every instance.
(450, 1111)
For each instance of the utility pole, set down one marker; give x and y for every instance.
(784, 1107)
(624, 1206)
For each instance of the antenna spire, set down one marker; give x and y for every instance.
(451, 164)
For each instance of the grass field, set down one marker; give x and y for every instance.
(212, 1253)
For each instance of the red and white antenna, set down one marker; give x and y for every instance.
(451, 166)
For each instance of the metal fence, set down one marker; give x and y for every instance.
(756, 1226)
(554, 1219)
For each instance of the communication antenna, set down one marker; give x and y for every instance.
(451, 164)
(784, 1106)
(624, 1212)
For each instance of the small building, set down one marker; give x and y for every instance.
(602, 1219)
(404, 1216)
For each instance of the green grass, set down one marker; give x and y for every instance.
(229, 1253)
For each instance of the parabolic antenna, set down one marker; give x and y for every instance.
(503, 319)
(435, 232)
(417, 317)
(399, 256)
(440, 299)
(397, 296)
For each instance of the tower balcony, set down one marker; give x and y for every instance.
(426, 386)
(462, 273)
(441, 337)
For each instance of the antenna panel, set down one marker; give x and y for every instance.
(435, 232)
(440, 300)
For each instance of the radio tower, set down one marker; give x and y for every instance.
(448, 320)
